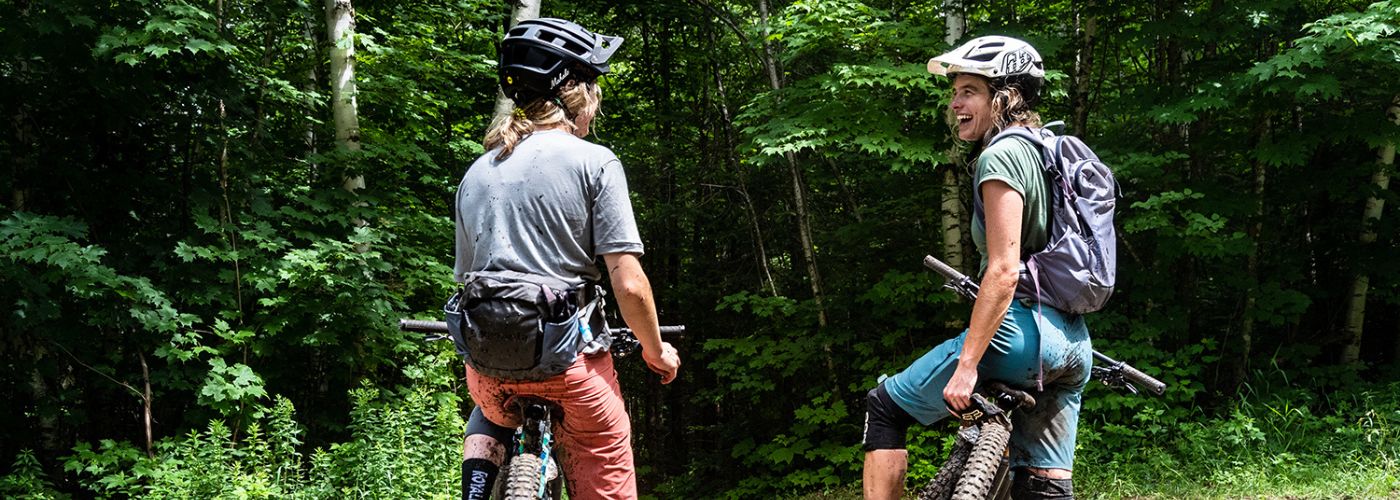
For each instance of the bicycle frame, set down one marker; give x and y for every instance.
(1113, 374)
(987, 427)
(535, 437)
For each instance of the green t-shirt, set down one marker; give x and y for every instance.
(1018, 164)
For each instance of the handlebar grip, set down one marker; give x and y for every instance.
(421, 326)
(943, 269)
(665, 330)
(1154, 386)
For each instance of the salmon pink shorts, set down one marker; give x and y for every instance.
(595, 433)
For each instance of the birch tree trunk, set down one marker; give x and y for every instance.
(731, 158)
(1086, 24)
(799, 188)
(1360, 286)
(799, 197)
(952, 206)
(340, 26)
(523, 10)
(312, 80)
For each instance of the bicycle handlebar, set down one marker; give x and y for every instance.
(1154, 386)
(1115, 370)
(440, 327)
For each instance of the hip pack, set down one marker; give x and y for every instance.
(524, 326)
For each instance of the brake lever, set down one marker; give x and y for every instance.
(434, 337)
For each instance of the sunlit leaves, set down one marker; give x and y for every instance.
(179, 27)
(875, 109)
(1357, 46)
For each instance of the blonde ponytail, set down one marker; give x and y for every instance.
(577, 99)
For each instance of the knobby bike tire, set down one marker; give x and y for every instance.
(1001, 487)
(982, 466)
(943, 483)
(523, 478)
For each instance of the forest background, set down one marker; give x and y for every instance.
(213, 213)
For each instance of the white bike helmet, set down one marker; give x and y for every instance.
(992, 57)
(1004, 60)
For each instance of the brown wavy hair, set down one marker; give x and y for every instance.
(1008, 107)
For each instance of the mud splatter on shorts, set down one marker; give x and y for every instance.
(1042, 437)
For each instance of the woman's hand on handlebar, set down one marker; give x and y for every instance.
(666, 362)
(958, 393)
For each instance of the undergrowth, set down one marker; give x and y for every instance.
(1273, 443)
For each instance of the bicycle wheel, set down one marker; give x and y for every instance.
(982, 466)
(523, 478)
(1001, 486)
(941, 487)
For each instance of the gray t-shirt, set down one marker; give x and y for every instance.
(550, 208)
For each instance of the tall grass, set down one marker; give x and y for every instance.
(1269, 442)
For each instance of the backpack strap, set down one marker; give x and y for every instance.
(1047, 143)
(1040, 137)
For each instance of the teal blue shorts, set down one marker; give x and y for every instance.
(1041, 437)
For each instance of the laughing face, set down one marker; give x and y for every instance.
(972, 106)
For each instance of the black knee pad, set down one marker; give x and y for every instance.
(885, 422)
(1031, 486)
(477, 423)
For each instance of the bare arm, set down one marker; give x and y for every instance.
(632, 290)
(1002, 206)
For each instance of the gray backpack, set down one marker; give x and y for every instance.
(1076, 271)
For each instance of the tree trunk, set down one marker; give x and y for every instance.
(23, 160)
(1241, 366)
(312, 80)
(846, 194)
(799, 188)
(799, 198)
(1356, 306)
(1086, 24)
(146, 404)
(731, 155)
(952, 206)
(340, 26)
(524, 10)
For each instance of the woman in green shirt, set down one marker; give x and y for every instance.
(996, 84)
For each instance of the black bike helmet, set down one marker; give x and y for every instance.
(538, 56)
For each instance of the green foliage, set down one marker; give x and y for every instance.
(1280, 443)
(42, 253)
(229, 389)
(27, 480)
(173, 216)
(174, 27)
(408, 446)
(213, 463)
